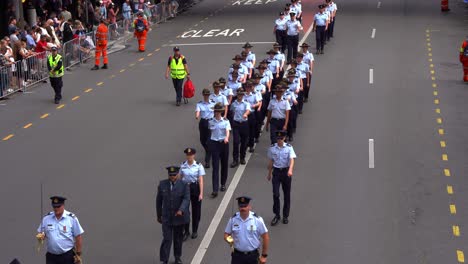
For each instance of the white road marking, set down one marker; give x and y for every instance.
(217, 43)
(378, 4)
(371, 153)
(373, 33)
(371, 76)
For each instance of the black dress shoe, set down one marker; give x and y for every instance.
(214, 195)
(275, 220)
(321, 52)
(223, 188)
(178, 103)
(243, 162)
(95, 68)
(194, 235)
(57, 101)
(285, 220)
(186, 236)
(251, 149)
(104, 67)
(207, 165)
(234, 164)
(178, 261)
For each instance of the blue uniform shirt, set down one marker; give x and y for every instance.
(294, 88)
(278, 108)
(321, 19)
(281, 156)
(281, 23)
(242, 70)
(239, 109)
(252, 99)
(303, 68)
(191, 173)
(234, 84)
(219, 128)
(248, 65)
(293, 27)
(260, 88)
(60, 233)
(251, 57)
(227, 92)
(308, 57)
(272, 65)
(220, 98)
(205, 109)
(246, 233)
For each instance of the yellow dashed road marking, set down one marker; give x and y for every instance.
(428, 44)
(28, 126)
(432, 65)
(444, 157)
(430, 59)
(437, 110)
(435, 93)
(75, 98)
(453, 209)
(443, 144)
(434, 85)
(447, 172)
(149, 54)
(100, 83)
(441, 131)
(430, 54)
(141, 59)
(456, 230)
(432, 72)
(88, 90)
(61, 106)
(132, 64)
(460, 256)
(122, 70)
(436, 101)
(157, 49)
(439, 120)
(449, 189)
(112, 76)
(8, 137)
(433, 78)
(44, 116)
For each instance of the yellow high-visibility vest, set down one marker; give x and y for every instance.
(53, 63)
(177, 68)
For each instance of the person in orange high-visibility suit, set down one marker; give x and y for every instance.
(141, 30)
(464, 58)
(102, 34)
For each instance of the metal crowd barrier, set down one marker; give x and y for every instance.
(79, 50)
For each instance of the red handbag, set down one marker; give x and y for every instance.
(189, 89)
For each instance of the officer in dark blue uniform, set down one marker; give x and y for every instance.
(172, 207)
(281, 157)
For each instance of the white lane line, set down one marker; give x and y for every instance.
(218, 43)
(205, 243)
(371, 76)
(379, 4)
(371, 153)
(373, 33)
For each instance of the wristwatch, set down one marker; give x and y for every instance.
(264, 255)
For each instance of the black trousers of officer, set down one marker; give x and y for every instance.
(275, 125)
(320, 37)
(196, 207)
(219, 154)
(205, 134)
(240, 134)
(331, 27)
(259, 117)
(238, 257)
(178, 83)
(301, 95)
(171, 233)
(57, 84)
(292, 121)
(281, 39)
(252, 128)
(306, 87)
(65, 258)
(281, 178)
(293, 43)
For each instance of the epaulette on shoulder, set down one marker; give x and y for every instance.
(272, 145)
(289, 145)
(49, 213)
(72, 215)
(255, 214)
(234, 215)
(201, 102)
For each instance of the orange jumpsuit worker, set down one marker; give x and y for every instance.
(102, 33)
(141, 29)
(464, 59)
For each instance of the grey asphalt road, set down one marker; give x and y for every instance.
(107, 150)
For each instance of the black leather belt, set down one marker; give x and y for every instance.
(277, 118)
(281, 169)
(246, 252)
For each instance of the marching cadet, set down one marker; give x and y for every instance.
(102, 33)
(219, 147)
(243, 233)
(260, 89)
(303, 70)
(56, 72)
(191, 173)
(281, 157)
(218, 97)
(319, 27)
(293, 28)
(204, 112)
(242, 69)
(240, 128)
(278, 113)
(267, 75)
(273, 66)
(279, 56)
(172, 208)
(331, 6)
(280, 31)
(250, 55)
(308, 58)
(247, 64)
(293, 89)
(141, 30)
(62, 232)
(226, 90)
(296, 8)
(255, 101)
(234, 83)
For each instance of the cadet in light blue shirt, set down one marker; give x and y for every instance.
(234, 82)
(243, 70)
(62, 232)
(293, 28)
(243, 233)
(204, 112)
(280, 31)
(227, 91)
(217, 96)
(278, 113)
(240, 108)
(280, 57)
(273, 64)
(250, 55)
(240, 129)
(247, 64)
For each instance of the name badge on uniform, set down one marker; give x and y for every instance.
(235, 227)
(253, 228)
(50, 227)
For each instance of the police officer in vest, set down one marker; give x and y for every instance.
(281, 157)
(55, 67)
(246, 233)
(177, 66)
(172, 208)
(219, 147)
(280, 31)
(62, 232)
(320, 26)
(192, 173)
(240, 128)
(293, 28)
(278, 113)
(204, 112)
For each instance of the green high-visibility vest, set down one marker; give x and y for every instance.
(53, 63)
(177, 68)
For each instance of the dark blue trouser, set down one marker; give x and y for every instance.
(281, 39)
(252, 128)
(171, 233)
(320, 37)
(280, 177)
(220, 154)
(65, 258)
(331, 27)
(178, 83)
(292, 120)
(240, 134)
(205, 134)
(196, 207)
(242, 258)
(275, 125)
(293, 43)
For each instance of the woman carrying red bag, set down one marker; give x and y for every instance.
(177, 66)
